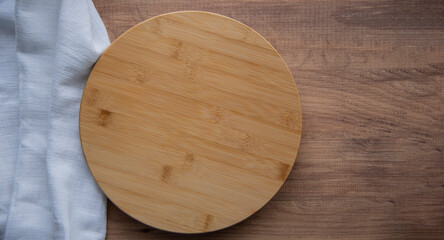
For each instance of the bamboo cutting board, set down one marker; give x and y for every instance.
(190, 122)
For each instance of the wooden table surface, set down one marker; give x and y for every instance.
(371, 80)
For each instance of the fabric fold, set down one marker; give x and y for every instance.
(9, 107)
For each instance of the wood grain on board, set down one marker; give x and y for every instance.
(371, 77)
(190, 122)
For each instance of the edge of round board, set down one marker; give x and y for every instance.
(205, 229)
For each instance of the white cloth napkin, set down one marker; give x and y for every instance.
(47, 49)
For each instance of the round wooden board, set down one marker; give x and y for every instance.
(190, 122)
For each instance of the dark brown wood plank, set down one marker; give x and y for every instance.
(371, 80)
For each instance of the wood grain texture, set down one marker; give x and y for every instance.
(371, 79)
(190, 122)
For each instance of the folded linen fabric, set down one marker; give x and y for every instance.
(47, 49)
